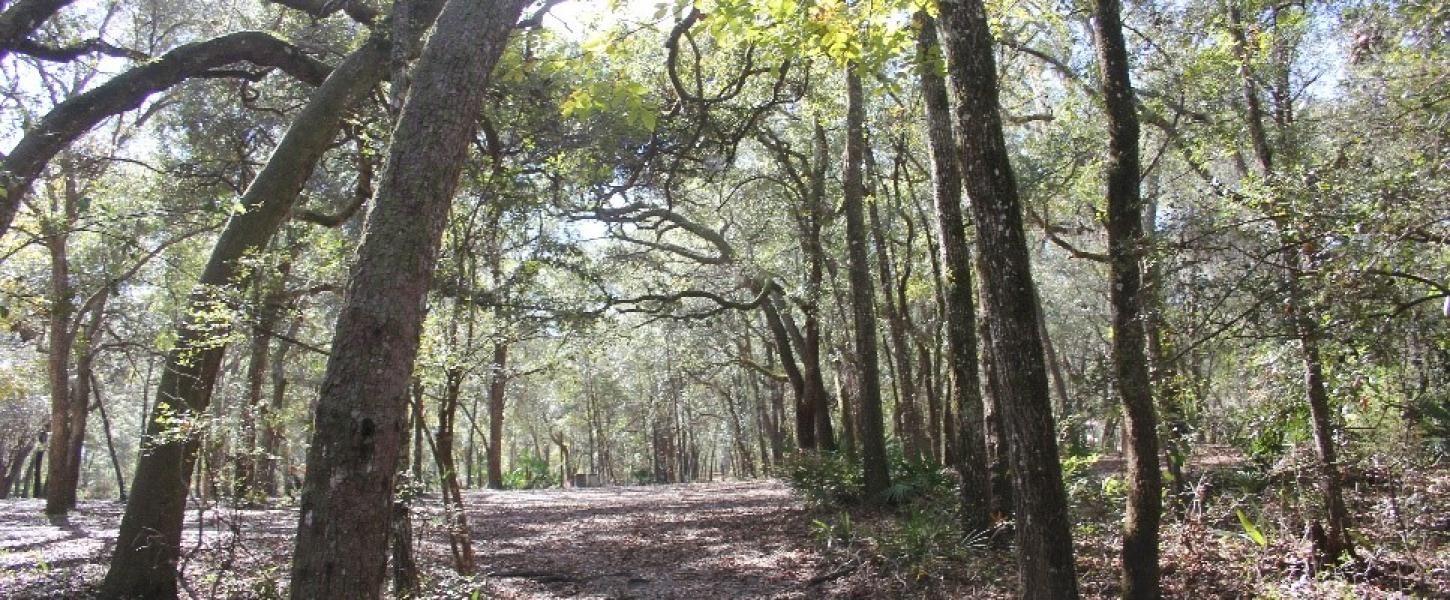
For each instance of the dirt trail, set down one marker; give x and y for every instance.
(692, 541)
(721, 540)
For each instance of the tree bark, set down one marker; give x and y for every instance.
(460, 543)
(274, 440)
(1066, 408)
(61, 492)
(269, 294)
(816, 212)
(956, 257)
(899, 351)
(872, 440)
(343, 530)
(1044, 535)
(1125, 283)
(110, 440)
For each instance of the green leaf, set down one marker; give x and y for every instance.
(1251, 530)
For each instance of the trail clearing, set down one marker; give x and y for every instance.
(710, 540)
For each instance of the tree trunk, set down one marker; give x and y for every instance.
(1130, 361)
(970, 449)
(1067, 409)
(37, 485)
(274, 440)
(998, 456)
(60, 494)
(22, 18)
(1297, 258)
(1167, 389)
(872, 438)
(269, 295)
(405, 566)
(460, 543)
(1044, 535)
(144, 561)
(343, 530)
(805, 421)
(776, 416)
(14, 465)
(110, 440)
(816, 210)
(911, 434)
(496, 388)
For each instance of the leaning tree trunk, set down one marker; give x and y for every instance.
(460, 543)
(342, 533)
(816, 211)
(1125, 283)
(911, 434)
(1044, 534)
(970, 451)
(22, 18)
(863, 306)
(805, 422)
(144, 562)
(80, 392)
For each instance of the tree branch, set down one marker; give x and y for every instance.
(35, 49)
(321, 9)
(22, 19)
(76, 116)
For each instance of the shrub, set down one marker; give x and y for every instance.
(528, 473)
(824, 479)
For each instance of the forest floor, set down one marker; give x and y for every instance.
(757, 540)
(708, 540)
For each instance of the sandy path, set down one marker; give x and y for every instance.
(718, 540)
(694, 541)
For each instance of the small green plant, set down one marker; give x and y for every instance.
(529, 472)
(914, 481)
(267, 586)
(830, 534)
(1075, 466)
(924, 541)
(1115, 488)
(824, 479)
(1251, 530)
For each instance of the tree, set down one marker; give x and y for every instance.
(145, 558)
(1297, 255)
(863, 304)
(1125, 290)
(127, 91)
(970, 449)
(342, 534)
(1044, 538)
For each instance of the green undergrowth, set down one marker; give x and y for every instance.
(911, 534)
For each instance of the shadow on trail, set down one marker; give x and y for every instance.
(723, 540)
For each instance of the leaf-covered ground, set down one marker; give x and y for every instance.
(756, 540)
(712, 540)
(678, 541)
